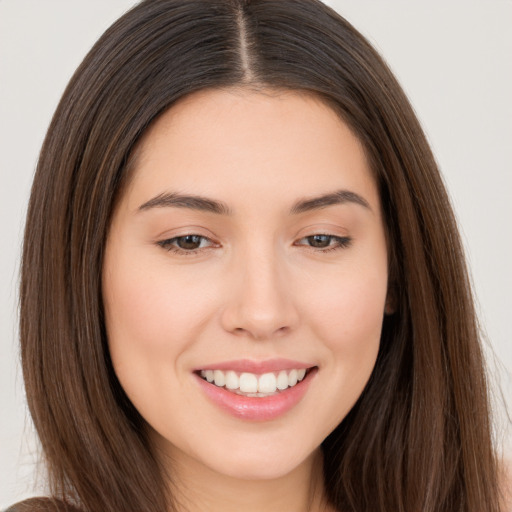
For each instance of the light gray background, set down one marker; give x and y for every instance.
(454, 59)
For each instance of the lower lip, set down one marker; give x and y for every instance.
(257, 408)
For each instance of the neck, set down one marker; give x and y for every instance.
(197, 487)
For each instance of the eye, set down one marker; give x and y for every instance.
(186, 244)
(325, 243)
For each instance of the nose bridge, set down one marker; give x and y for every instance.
(260, 304)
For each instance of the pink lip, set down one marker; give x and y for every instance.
(257, 408)
(257, 367)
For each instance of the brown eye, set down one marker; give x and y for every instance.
(189, 242)
(319, 241)
(325, 243)
(186, 244)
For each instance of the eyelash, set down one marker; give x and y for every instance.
(341, 242)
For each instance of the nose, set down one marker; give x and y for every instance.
(261, 304)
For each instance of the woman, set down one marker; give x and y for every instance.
(236, 199)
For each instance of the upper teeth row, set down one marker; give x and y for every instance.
(252, 383)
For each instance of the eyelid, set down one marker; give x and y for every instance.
(170, 244)
(167, 244)
(342, 242)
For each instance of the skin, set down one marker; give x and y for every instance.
(255, 289)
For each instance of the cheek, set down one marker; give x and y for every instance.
(149, 305)
(152, 317)
(350, 304)
(348, 319)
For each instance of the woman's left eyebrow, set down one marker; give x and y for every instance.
(206, 204)
(330, 199)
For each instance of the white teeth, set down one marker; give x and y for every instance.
(267, 383)
(252, 384)
(248, 383)
(232, 381)
(282, 380)
(219, 378)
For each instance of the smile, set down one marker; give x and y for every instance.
(254, 385)
(256, 391)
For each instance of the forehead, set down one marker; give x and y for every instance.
(271, 142)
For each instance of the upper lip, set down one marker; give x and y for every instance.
(258, 367)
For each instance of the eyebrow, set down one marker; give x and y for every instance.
(325, 200)
(200, 203)
(192, 202)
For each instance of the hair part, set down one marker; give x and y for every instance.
(419, 437)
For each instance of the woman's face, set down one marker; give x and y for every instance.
(249, 248)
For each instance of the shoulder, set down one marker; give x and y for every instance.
(42, 505)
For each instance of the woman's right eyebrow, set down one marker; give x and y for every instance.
(194, 202)
(206, 204)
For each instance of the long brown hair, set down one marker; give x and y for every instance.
(419, 437)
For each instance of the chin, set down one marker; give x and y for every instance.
(264, 458)
(249, 467)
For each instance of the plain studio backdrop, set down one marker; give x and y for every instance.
(454, 60)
